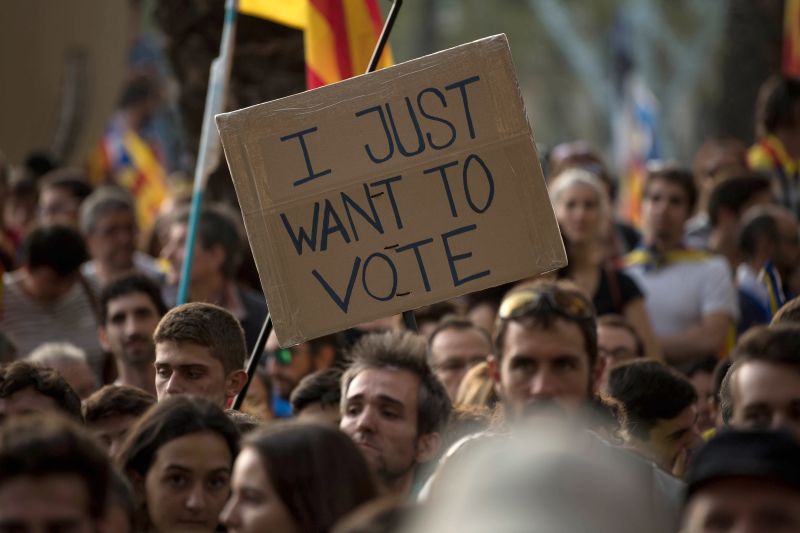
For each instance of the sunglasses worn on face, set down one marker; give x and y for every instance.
(283, 356)
(565, 303)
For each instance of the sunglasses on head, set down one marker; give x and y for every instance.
(567, 303)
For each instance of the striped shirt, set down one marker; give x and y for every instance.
(28, 323)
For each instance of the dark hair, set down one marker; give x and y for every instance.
(735, 193)
(620, 322)
(335, 341)
(323, 387)
(168, 420)
(649, 391)
(245, 423)
(104, 200)
(788, 314)
(318, 473)
(704, 365)
(675, 175)
(206, 325)
(58, 247)
(139, 89)
(776, 345)
(776, 104)
(435, 312)
(543, 316)
(402, 351)
(760, 226)
(40, 446)
(129, 284)
(458, 324)
(21, 375)
(217, 227)
(72, 180)
(116, 400)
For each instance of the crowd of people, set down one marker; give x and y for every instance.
(651, 385)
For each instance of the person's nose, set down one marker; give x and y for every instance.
(196, 500)
(543, 384)
(174, 385)
(367, 420)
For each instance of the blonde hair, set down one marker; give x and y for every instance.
(578, 176)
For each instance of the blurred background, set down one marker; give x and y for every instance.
(654, 77)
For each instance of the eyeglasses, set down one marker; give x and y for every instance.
(566, 303)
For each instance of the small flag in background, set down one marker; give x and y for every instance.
(791, 39)
(340, 35)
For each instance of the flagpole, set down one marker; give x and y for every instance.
(209, 152)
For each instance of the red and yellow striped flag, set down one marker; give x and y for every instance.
(339, 35)
(340, 38)
(791, 39)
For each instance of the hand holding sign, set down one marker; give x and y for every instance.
(392, 190)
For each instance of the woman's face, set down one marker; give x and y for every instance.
(188, 483)
(254, 505)
(578, 212)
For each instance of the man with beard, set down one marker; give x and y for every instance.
(546, 362)
(393, 407)
(108, 223)
(130, 309)
(286, 367)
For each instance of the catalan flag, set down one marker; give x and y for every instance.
(130, 162)
(791, 39)
(340, 35)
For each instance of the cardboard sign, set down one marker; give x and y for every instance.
(392, 190)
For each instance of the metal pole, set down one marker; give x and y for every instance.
(255, 358)
(209, 151)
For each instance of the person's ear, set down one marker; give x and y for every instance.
(235, 383)
(102, 336)
(428, 446)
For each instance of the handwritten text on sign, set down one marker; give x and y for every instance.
(391, 191)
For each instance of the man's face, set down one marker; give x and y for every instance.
(128, 331)
(26, 401)
(111, 431)
(614, 345)
(665, 209)
(543, 365)
(47, 286)
(454, 352)
(743, 504)
(287, 366)
(58, 206)
(380, 415)
(766, 396)
(206, 262)
(188, 368)
(55, 502)
(113, 239)
(672, 439)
